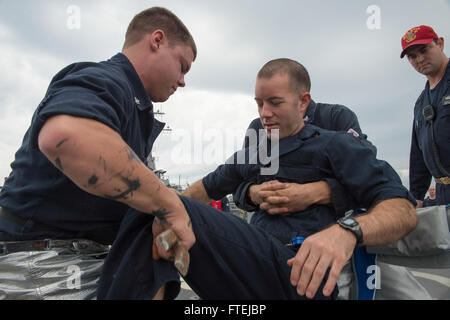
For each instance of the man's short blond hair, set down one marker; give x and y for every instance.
(157, 18)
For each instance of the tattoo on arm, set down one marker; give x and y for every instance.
(161, 215)
(131, 154)
(59, 164)
(92, 180)
(102, 163)
(132, 185)
(58, 160)
(99, 172)
(61, 142)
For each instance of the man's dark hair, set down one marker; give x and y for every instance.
(298, 74)
(157, 18)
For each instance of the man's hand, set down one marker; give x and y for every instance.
(386, 222)
(284, 198)
(169, 246)
(330, 248)
(179, 221)
(258, 192)
(157, 229)
(419, 204)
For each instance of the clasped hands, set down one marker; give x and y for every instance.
(283, 198)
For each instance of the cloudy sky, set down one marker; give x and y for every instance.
(350, 48)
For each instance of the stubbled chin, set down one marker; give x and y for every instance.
(162, 99)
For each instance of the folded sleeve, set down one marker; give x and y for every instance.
(368, 179)
(225, 179)
(240, 197)
(88, 93)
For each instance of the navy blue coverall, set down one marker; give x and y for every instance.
(232, 259)
(424, 158)
(334, 117)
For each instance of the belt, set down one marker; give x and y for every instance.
(443, 180)
(75, 245)
(39, 227)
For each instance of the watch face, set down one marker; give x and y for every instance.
(349, 222)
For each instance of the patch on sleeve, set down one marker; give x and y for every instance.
(446, 100)
(353, 132)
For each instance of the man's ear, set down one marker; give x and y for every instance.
(156, 39)
(303, 102)
(440, 43)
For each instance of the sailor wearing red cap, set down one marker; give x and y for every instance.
(430, 144)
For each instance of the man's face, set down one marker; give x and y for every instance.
(426, 58)
(279, 106)
(432, 192)
(168, 74)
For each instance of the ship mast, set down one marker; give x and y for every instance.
(151, 160)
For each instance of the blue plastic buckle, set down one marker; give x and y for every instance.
(297, 241)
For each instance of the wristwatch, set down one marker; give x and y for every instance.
(353, 226)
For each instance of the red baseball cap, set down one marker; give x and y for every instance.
(417, 35)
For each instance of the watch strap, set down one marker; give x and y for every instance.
(355, 229)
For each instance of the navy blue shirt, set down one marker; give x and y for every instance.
(333, 117)
(312, 155)
(422, 165)
(109, 92)
(427, 202)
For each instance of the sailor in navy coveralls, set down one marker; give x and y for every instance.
(82, 166)
(296, 197)
(430, 143)
(232, 259)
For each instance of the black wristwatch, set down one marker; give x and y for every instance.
(352, 225)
